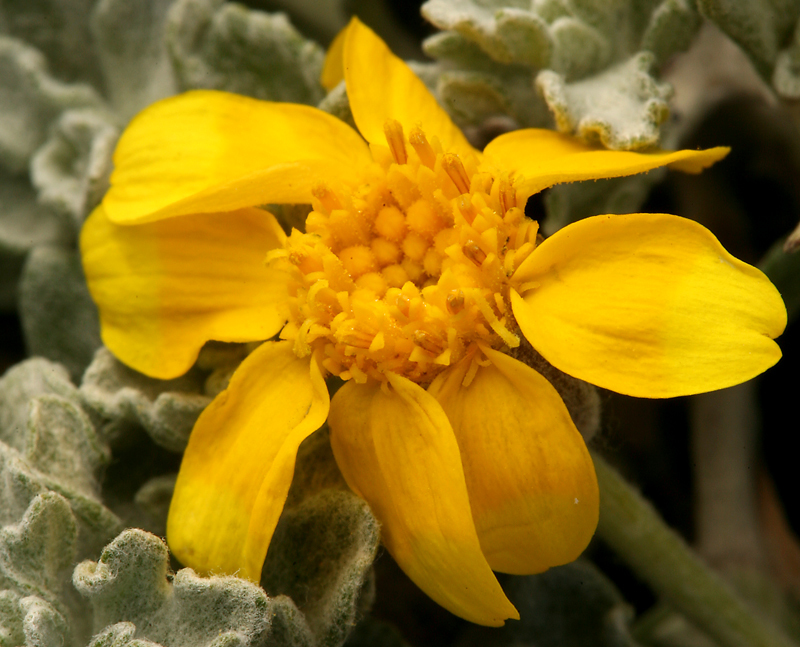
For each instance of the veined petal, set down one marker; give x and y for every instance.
(239, 464)
(544, 158)
(530, 478)
(650, 305)
(165, 288)
(396, 449)
(207, 151)
(333, 68)
(380, 87)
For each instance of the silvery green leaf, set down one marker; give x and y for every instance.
(19, 385)
(42, 624)
(120, 634)
(473, 97)
(30, 99)
(622, 107)
(321, 557)
(30, 621)
(48, 444)
(226, 46)
(337, 104)
(11, 615)
(126, 400)
(322, 19)
(129, 37)
(24, 224)
(670, 29)
(36, 552)
(70, 171)
(566, 203)
(473, 87)
(62, 443)
(579, 49)
(508, 31)
(59, 318)
(60, 30)
(457, 51)
(130, 584)
(153, 500)
(759, 28)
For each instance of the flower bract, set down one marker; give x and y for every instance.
(416, 280)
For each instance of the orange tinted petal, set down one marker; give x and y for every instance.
(396, 450)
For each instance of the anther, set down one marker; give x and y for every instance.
(326, 197)
(466, 208)
(508, 195)
(474, 253)
(455, 169)
(394, 137)
(427, 341)
(420, 143)
(455, 302)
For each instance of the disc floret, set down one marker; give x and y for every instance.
(408, 271)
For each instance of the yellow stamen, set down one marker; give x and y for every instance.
(508, 194)
(455, 169)
(465, 207)
(474, 253)
(427, 342)
(420, 143)
(455, 302)
(394, 137)
(410, 271)
(326, 197)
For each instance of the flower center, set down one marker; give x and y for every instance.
(408, 271)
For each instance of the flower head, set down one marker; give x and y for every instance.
(417, 274)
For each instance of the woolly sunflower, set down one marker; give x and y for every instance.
(415, 279)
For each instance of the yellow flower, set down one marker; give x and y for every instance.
(417, 275)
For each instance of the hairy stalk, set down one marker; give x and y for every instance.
(635, 531)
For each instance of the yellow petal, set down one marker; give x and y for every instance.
(544, 158)
(649, 305)
(239, 464)
(381, 87)
(207, 151)
(333, 69)
(530, 478)
(397, 451)
(165, 288)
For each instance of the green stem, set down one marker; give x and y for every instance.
(635, 531)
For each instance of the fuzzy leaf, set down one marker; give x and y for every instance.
(507, 33)
(229, 47)
(30, 99)
(129, 36)
(759, 28)
(48, 444)
(321, 556)
(127, 400)
(623, 107)
(129, 584)
(24, 224)
(36, 552)
(671, 28)
(60, 30)
(70, 171)
(59, 318)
